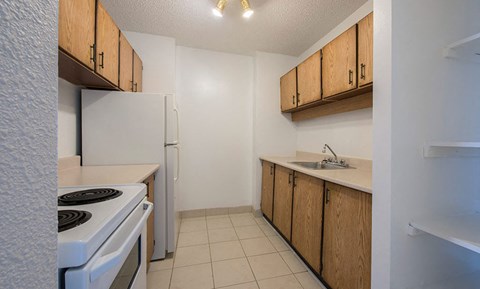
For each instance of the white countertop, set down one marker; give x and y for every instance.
(105, 175)
(359, 178)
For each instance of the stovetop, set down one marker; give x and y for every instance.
(100, 219)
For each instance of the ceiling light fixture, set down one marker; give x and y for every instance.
(218, 10)
(247, 11)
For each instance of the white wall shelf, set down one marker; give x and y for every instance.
(467, 49)
(463, 230)
(451, 149)
(466, 281)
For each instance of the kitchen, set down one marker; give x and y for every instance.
(422, 142)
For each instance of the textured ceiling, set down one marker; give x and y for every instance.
(278, 26)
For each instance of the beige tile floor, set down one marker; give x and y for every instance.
(236, 251)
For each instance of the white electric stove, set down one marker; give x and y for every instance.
(102, 236)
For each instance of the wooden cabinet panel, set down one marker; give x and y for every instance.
(268, 170)
(288, 90)
(308, 80)
(107, 45)
(125, 81)
(339, 66)
(365, 50)
(307, 218)
(76, 29)
(347, 238)
(150, 222)
(282, 204)
(137, 73)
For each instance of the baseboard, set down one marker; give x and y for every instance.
(217, 211)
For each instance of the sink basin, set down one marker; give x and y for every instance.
(320, 166)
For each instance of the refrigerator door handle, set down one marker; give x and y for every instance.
(177, 117)
(178, 163)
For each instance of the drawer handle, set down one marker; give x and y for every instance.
(102, 55)
(350, 76)
(92, 53)
(362, 71)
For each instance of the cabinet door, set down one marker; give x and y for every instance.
(365, 50)
(76, 29)
(347, 238)
(137, 73)
(107, 45)
(307, 218)
(150, 221)
(282, 204)
(267, 189)
(308, 78)
(288, 90)
(339, 66)
(126, 65)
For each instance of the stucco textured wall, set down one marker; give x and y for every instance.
(28, 143)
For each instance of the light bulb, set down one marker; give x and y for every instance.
(217, 12)
(247, 13)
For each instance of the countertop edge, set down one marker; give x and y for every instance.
(317, 174)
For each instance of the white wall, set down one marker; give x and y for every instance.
(215, 99)
(350, 133)
(28, 141)
(158, 57)
(69, 132)
(429, 98)
(274, 133)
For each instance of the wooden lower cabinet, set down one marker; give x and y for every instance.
(307, 218)
(282, 204)
(150, 222)
(347, 238)
(268, 176)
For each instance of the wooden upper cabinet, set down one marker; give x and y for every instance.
(308, 80)
(137, 73)
(307, 218)
(76, 29)
(288, 90)
(107, 45)
(347, 238)
(365, 50)
(268, 174)
(339, 67)
(125, 81)
(282, 204)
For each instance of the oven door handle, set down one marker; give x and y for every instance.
(108, 261)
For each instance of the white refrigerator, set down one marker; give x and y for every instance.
(122, 128)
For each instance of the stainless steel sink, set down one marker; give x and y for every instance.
(321, 165)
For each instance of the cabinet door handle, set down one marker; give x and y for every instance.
(290, 178)
(293, 99)
(92, 53)
(132, 84)
(362, 71)
(350, 76)
(102, 55)
(295, 181)
(327, 196)
(271, 170)
(136, 87)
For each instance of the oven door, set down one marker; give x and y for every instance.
(120, 261)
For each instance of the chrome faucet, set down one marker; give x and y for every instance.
(325, 147)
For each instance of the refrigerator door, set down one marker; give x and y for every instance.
(121, 128)
(172, 154)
